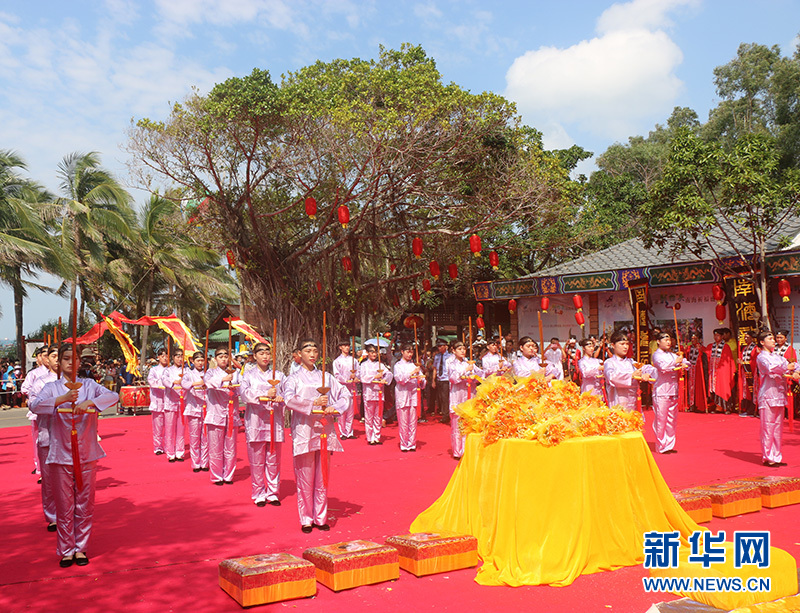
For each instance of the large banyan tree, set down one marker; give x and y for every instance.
(319, 185)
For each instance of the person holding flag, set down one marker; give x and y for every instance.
(314, 397)
(72, 404)
(173, 401)
(263, 426)
(221, 393)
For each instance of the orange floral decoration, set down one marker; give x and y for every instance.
(527, 408)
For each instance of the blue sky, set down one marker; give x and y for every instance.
(74, 74)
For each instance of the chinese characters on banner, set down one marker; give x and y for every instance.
(641, 322)
(744, 306)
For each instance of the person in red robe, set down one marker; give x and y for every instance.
(720, 371)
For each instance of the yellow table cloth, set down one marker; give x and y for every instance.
(545, 515)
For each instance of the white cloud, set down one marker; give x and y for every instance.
(611, 85)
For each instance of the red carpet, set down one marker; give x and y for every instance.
(161, 530)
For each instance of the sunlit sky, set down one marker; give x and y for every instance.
(74, 74)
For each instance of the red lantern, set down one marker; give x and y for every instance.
(494, 260)
(784, 289)
(512, 306)
(415, 295)
(475, 245)
(580, 318)
(344, 215)
(392, 267)
(409, 321)
(311, 207)
(426, 285)
(231, 259)
(578, 302)
(347, 264)
(452, 270)
(416, 247)
(434, 268)
(319, 286)
(545, 304)
(720, 312)
(479, 308)
(718, 292)
(479, 323)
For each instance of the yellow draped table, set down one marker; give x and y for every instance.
(545, 515)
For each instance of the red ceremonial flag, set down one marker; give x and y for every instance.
(245, 328)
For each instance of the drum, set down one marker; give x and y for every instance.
(134, 398)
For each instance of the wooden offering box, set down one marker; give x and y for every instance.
(775, 491)
(266, 578)
(731, 499)
(427, 553)
(342, 566)
(697, 506)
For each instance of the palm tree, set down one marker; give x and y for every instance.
(166, 271)
(25, 244)
(95, 210)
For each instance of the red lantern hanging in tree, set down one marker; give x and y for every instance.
(344, 215)
(475, 245)
(415, 295)
(434, 268)
(545, 304)
(392, 268)
(409, 321)
(479, 308)
(718, 292)
(720, 312)
(580, 318)
(311, 207)
(416, 247)
(452, 270)
(479, 323)
(426, 285)
(578, 302)
(512, 306)
(494, 260)
(784, 289)
(231, 258)
(319, 286)
(347, 264)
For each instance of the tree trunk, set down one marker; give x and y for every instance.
(18, 311)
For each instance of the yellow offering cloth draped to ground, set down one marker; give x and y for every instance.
(545, 515)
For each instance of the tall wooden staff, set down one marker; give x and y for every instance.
(57, 337)
(229, 370)
(500, 334)
(181, 394)
(638, 363)
(73, 384)
(205, 396)
(323, 391)
(682, 377)
(541, 339)
(419, 389)
(471, 361)
(354, 377)
(380, 373)
(274, 383)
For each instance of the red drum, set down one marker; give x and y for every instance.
(134, 397)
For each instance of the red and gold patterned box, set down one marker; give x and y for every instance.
(697, 506)
(775, 491)
(730, 499)
(428, 553)
(344, 565)
(265, 578)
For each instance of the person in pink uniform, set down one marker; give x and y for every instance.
(194, 390)
(157, 400)
(221, 391)
(301, 395)
(463, 384)
(74, 507)
(374, 376)
(492, 362)
(173, 405)
(31, 378)
(42, 424)
(667, 367)
(345, 369)
(772, 397)
(590, 369)
(528, 361)
(622, 377)
(262, 398)
(408, 379)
